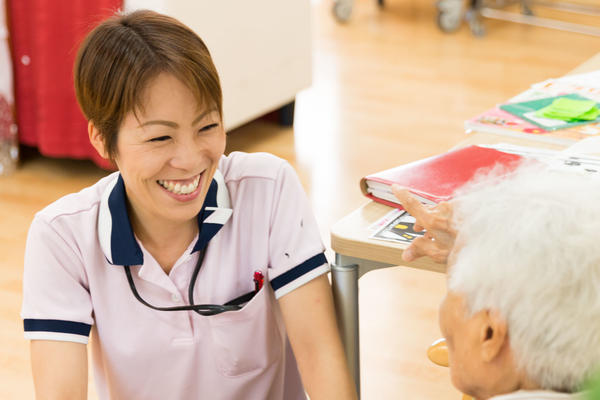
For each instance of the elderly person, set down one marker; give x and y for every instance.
(522, 314)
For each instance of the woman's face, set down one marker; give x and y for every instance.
(168, 156)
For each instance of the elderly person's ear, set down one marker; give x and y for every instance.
(493, 335)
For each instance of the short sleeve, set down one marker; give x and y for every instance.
(56, 301)
(296, 252)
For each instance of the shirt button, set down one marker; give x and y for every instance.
(175, 298)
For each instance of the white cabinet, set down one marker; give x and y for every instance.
(262, 49)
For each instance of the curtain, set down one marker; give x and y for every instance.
(8, 129)
(45, 36)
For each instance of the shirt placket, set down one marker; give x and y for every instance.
(180, 276)
(174, 296)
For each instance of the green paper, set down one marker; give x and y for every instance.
(589, 115)
(527, 110)
(570, 110)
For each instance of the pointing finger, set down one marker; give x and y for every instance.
(410, 203)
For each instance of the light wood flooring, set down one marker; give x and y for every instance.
(388, 88)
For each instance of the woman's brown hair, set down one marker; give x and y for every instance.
(118, 59)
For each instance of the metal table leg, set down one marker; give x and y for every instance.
(345, 273)
(345, 297)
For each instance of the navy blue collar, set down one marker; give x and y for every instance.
(114, 227)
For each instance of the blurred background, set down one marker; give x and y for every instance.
(338, 94)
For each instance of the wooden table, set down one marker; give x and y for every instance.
(356, 254)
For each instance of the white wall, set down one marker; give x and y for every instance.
(262, 48)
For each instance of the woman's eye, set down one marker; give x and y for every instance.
(160, 139)
(208, 127)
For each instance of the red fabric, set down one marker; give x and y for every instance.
(45, 36)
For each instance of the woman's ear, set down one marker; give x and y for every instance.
(96, 140)
(493, 335)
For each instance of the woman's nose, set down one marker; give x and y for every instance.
(186, 155)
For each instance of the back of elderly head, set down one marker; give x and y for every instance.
(523, 303)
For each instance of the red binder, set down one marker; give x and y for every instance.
(436, 178)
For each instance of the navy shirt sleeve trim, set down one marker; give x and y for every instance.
(56, 325)
(298, 271)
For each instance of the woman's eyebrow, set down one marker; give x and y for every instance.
(172, 124)
(204, 114)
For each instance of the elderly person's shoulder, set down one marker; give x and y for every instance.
(539, 395)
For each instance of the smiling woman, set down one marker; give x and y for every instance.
(125, 258)
(167, 153)
(128, 52)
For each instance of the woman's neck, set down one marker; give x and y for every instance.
(165, 240)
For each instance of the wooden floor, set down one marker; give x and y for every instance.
(388, 88)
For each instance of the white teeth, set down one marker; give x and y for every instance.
(185, 189)
(178, 188)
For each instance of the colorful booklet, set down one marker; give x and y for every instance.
(587, 85)
(499, 122)
(436, 178)
(526, 110)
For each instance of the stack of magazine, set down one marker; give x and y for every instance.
(517, 117)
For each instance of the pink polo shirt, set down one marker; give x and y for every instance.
(256, 217)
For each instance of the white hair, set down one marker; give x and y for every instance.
(531, 250)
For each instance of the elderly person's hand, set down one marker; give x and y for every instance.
(439, 237)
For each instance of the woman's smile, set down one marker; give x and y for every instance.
(182, 189)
